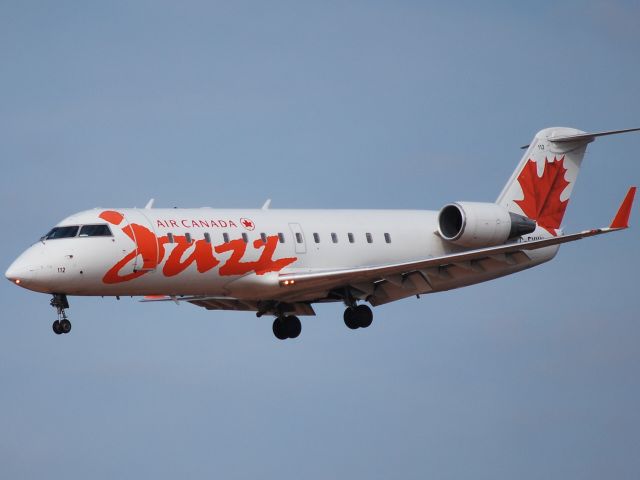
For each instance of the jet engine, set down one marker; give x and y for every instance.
(474, 224)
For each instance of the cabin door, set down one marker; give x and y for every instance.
(298, 238)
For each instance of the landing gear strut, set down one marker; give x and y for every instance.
(288, 326)
(358, 316)
(62, 324)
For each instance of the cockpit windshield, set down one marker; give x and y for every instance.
(101, 230)
(62, 232)
(97, 230)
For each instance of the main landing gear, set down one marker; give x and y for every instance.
(358, 316)
(62, 324)
(288, 326)
(355, 316)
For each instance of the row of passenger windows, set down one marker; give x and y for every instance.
(99, 230)
(350, 237)
(281, 237)
(102, 230)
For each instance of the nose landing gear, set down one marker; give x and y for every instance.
(62, 324)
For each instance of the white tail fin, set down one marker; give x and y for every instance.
(541, 185)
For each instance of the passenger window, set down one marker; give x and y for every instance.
(298, 237)
(170, 237)
(351, 239)
(95, 231)
(187, 237)
(207, 237)
(316, 238)
(225, 237)
(387, 238)
(334, 238)
(62, 232)
(281, 237)
(245, 237)
(263, 236)
(369, 238)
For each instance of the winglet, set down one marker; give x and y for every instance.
(149, 204)
(621, 220)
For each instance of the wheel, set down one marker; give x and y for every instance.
(56, 327)
(294, 327)
(364, 315)
(350, 319)
(279, 329)
(65, 325)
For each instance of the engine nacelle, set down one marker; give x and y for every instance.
(474, 224)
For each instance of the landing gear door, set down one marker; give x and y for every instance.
(144, 235)
(298, 238)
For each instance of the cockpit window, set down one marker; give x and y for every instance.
(62, 232)
(101, 230)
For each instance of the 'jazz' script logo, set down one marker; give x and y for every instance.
(200, 252)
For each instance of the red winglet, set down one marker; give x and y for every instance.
(621, 220)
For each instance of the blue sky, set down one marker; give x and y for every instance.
(320, 105)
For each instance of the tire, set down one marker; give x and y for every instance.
(279, 329)
(56, 327)
(350, 318)
(294, 327)
(364, 315)
(65, 326)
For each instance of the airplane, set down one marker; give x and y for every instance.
(281, 262)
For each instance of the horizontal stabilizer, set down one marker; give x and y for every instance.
(589, 137)
(585, 137)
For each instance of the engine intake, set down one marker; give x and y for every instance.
(474, 224)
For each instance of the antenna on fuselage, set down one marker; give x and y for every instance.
(149, 204)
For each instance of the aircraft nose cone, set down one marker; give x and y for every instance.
(25, 269)
(16, 273)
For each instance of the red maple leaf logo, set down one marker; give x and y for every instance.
(541, 200)
(248, 224)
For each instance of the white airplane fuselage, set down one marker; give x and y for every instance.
(314, 240)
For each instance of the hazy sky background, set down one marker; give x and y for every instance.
(320, 105)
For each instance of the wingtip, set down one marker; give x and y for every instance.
(621, 220)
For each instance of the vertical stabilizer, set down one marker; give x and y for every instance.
(541, 185)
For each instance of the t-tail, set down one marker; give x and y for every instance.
(541, 185)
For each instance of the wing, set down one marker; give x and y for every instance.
(384, 283)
